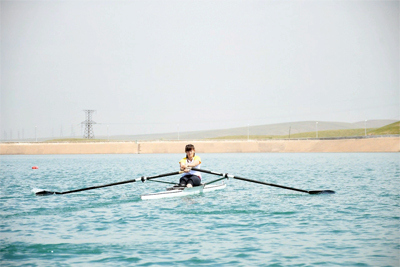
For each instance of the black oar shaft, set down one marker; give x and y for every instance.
(43, 193)
(163, 175)
(276, 185)
(259, 182)
(95, 187)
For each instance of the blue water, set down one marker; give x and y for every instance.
(245, 224)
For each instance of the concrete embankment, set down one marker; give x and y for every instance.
(382, 144)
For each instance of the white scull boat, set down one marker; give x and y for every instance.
(184, 191)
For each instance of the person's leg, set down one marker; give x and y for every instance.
(194, 180)
(184, 180)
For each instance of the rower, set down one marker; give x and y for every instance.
(190, 178)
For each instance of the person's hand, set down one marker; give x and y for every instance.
(187, 169)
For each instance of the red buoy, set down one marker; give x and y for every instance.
(35, 167)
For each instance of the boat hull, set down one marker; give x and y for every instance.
(184, 192)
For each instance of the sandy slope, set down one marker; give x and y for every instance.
(382, 144)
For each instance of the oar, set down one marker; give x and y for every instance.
(313, 192)
(143, 178)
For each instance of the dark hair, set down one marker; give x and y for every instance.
(189, 147)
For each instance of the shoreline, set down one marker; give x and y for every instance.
(381, 144)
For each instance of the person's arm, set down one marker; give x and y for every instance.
(194, 163)
(182, 165)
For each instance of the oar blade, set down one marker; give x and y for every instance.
(46, 193)
(318, 192)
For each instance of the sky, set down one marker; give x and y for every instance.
(166, 66)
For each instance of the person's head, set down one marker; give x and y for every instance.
(190, 150)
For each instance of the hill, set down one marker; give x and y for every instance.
(393, 128)
(281, 129)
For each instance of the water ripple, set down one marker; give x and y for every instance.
(244, 225)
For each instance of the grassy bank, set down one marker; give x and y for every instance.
(390, 129)
(75, 140)
(393, 128)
